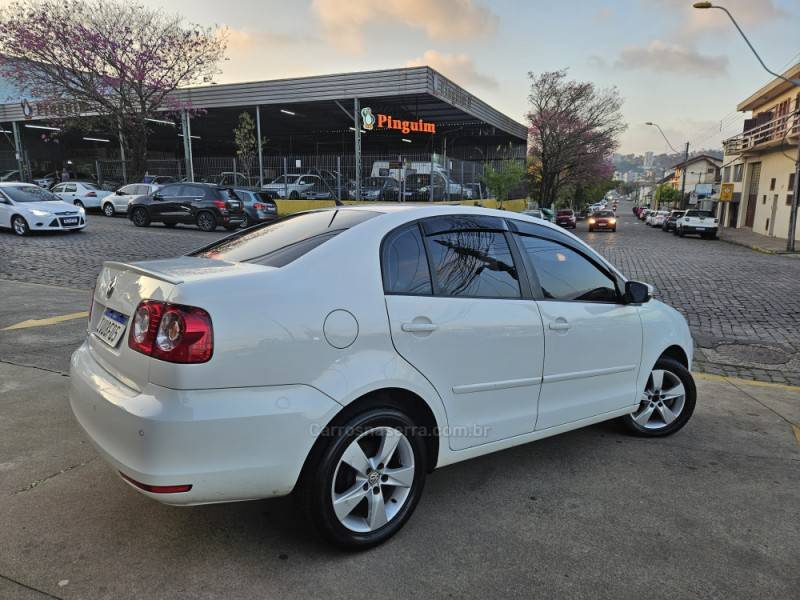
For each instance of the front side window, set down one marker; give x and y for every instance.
(70, 187)
(473, 263)
(566, 275)
(405, 264)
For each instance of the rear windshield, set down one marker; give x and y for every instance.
(264, 197)
(278, 243)
(698, 213)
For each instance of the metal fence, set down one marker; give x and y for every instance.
(418, 177)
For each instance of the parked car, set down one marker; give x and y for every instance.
(10, 176)
(118, 201)
(534, 212)
(25, 207)
(699, 222)
(380, 188)
(201, 204)
(566, 218)
(643, 214)
(602, 219)
(47, 180)
(81, 193)
(295, 187)
(160, 179)
(671, 220)
(258, 365)
(259, 207)
(655, 218)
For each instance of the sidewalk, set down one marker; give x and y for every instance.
(755, 241)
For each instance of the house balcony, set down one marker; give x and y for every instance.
(780, 131)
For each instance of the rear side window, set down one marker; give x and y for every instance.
(278, 243)
(223, 194)
(405, 265)
(474, 263)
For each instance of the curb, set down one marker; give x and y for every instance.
(751, 382)
(758, 248)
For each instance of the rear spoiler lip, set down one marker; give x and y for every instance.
(142, 271)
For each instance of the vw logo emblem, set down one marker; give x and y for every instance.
(110, 288)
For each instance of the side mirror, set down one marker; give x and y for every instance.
(157, 196)
(636, 292)
(120, 193)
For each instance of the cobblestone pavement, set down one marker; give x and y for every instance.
(743, 307)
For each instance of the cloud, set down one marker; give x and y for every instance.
(458, 67)
(344, 21)
(662, 56)
(749, 14)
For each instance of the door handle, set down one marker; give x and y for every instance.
(560, 324)
(418, 327)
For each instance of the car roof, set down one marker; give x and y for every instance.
(17, 183)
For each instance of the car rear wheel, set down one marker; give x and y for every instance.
(680, 232)
(667, 401)
(368, 480)
(108, 209)
(79, 204)
(20, 226)
(206, 221)
(140, 217)
(245, 221)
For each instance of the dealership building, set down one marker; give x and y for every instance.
(386, 122)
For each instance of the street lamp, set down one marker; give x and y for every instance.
(790, 246)
(685, 158)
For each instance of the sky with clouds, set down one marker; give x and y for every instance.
(683, 68)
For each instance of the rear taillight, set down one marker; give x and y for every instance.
(91, 194)
(172, 332)
(219, 203)
(259, 206)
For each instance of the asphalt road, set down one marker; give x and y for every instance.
(711, 512)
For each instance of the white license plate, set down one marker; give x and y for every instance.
(700, 228)
(111, 327)
(72, 221)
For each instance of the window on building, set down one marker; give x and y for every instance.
(790, 195)
(764, 199)
(772, 185)
(726, 174)
(738, 170)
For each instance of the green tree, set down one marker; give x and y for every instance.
(666, 195)
(244, 136)
(500, 181)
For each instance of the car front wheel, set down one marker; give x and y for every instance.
(368, 480)
(140, 217)
(20, 225)
(667, 401)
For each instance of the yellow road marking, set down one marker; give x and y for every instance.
(752, 382)
(796, 433)
(47, 321)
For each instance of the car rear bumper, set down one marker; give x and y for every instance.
(699, 230)
(228, 444)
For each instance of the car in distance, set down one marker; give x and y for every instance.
(669, 222)
(81, 193)
(25, 207)
(382, 189)
(361, 380)
(697, 222)
(205, 205)
(566, 218)
(259, 207)
(602, 219)
(117, 202)
(656, 218)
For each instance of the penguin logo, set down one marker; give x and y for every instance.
(27, 109)
(367, 118)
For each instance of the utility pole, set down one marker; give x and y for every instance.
(19, 152)
(357, 127)
(683, 175)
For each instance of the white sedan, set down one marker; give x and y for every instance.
(452, 332)
(25, 207)
(117, 203)
(81, 193)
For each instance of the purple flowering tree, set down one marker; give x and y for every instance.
(107, 61)
(573, 128)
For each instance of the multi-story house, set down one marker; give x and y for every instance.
(759, 163)
(700, 169)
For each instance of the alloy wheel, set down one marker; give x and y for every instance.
(20, 226)
(108, 209)
(373, 479)
(206, 222)
(662, 401)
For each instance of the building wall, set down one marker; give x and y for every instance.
(696, 172)
(772, 212)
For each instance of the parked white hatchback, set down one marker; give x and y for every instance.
(346, 353)
(81, 193)
(117, 202)
(25, 207)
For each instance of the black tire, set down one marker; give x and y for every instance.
(245, 221)
(140, 217)
(686, 379)
(20, 226)
(293, 195)
(680, 232)
(108, 209)
(591, 229)
(318, 478)
(675, 231)
(206, 221)
(614, 230)
(170, 225)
